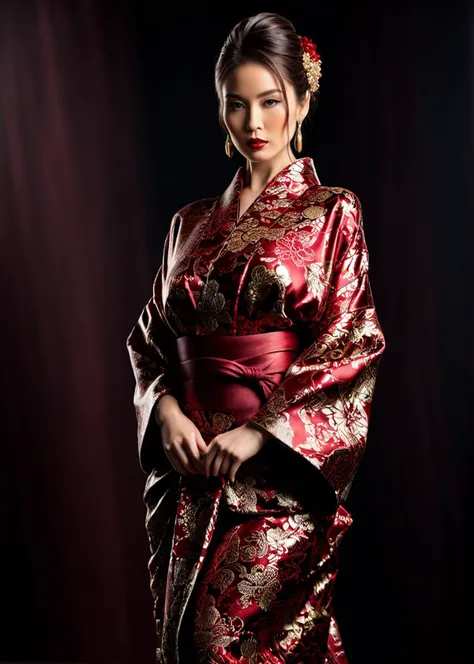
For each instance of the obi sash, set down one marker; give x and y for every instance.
(234, 374)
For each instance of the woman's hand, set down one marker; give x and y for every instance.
(182, 441)
(227, 451)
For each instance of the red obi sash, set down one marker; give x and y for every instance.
(234, 374)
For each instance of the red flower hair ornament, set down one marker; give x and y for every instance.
(311, 62)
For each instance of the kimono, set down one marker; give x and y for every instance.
(243, 571)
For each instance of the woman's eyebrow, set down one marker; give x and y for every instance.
(262, 94)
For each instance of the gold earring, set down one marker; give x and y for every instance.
(229, 147)
(299, 137)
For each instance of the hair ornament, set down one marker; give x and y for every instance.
(311, 62)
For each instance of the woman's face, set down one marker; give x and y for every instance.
(254, 107)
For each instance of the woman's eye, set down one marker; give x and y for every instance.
(235, 105)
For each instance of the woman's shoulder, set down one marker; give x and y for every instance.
(196, 208)
(338, 205)
(330, 197)
(185, 218)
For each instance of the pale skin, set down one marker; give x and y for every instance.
(253, 108)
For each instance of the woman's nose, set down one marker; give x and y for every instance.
(254, 118)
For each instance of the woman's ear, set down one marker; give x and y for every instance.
(305, 108)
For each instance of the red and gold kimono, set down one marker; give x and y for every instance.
(266, 318)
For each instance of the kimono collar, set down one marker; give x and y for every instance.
(290, 183)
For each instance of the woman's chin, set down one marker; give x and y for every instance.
(258, 155)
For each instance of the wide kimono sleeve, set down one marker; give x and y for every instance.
(152, 349)
(321, 409)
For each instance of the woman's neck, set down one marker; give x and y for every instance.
(259, 173)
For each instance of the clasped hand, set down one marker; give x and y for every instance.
(190, 454)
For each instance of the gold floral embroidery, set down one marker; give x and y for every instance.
(317, 278)
(276, 424)
(314, 212)
(260, 284)
(256, 546)
(356, 264)
(181, 572)
(347, 193)
(296, 630)
(349, 330)
(347, 421)
(286, 499)
(229, 565)
(248, 224)
(260, 585)
(268, 214)
(231, 553)
(280, 540)
(243, 495)
(363, 390)
(240, 239)
(344, 340)
(303, 521)
(222, 579)
(189, 517)
(213, 630)
(248, 649)
(262, 281)
(222, 422)
(187, 520)
(320, 195)
(290, 218)
(211, 308)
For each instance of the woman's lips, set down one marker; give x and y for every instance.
(256, 144)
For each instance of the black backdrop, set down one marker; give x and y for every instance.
(109, 124)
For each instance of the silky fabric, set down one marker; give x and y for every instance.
(243, 571)
(236, 375)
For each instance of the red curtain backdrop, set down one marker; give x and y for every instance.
(74, 581)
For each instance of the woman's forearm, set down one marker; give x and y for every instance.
(166, 407)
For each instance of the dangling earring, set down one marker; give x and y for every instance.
(299, 137)
(229, 147)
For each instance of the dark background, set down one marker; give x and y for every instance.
(108, 125)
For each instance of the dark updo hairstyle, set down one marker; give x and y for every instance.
(270, 40)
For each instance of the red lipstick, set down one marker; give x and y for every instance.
(256, 143)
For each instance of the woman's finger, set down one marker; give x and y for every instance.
(194, 456)
(178, 466)
(209, 458)
(226, 464)
(173, 456)
(216, 464)
(234, 468)
(183, 459)
(200, 442)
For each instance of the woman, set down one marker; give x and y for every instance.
(255, 362)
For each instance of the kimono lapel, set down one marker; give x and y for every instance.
(275, 198)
